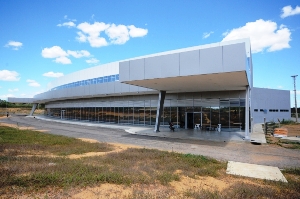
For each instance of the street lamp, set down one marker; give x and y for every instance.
(294, 77)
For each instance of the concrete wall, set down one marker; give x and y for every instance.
(271, 104)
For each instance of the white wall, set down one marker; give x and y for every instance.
(270, 99)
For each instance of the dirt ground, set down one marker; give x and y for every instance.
(20, 111)
(175, 189)
(293, 130)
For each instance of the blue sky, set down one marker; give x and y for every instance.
(42, 40)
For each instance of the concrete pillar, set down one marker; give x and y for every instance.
(247, 137)
(33, 109)
(160, 108)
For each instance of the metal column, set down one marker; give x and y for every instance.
(247, 114)
(33, 109)
(160, 107)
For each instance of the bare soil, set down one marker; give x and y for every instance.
(176, 189)
(20, 111)
(293, 130)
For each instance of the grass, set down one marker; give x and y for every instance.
(20, 142)
(148, 171)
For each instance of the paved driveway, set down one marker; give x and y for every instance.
(233, 151)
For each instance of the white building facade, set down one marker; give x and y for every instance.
(205, 85)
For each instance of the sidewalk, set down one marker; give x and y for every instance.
(258, 134)
(194, 134)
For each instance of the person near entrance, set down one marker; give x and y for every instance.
(171, 126)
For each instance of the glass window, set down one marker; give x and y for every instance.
(105, 79)
(108, 78)
(205, 116)
(126, 116)
(117, 77)
(112, 78)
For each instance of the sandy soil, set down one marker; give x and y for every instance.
(293, 130)
(21, 111)
(21, 127)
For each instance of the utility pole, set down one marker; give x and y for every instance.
(294, 77)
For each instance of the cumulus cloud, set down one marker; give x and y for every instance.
(92, 61)
(15, 45)
(54, 52)
(137, 32)
(58, 53)
(81, 37)
(63, 60)
(13, 90)
(91, 33)
(69, 24)
(32, 83)
(289, 11)
(79, 54)
(207, 34)
(61, 56)
(6, 75)
(53, 74)
(263, 35)
(117, 34)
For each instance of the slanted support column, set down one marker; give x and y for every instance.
(33, 109)
(247, 137)
(160, 107)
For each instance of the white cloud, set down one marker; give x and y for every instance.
(13, 90)
(54, 52)
(69, 24)
(63, 60)
(32, 83)
(61, 56)
(289, 11)
(117, 34)
(58, 53)
(4, 97)
(263, 35)
(137, 32)
(6, 75)
(79, 54)
(207, 34)
(91, 33)
(92, 61)
(15, 45)
(81, 37)
(53, 74)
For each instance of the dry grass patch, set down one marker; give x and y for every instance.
(40, 165)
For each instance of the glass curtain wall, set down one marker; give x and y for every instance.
(230, 113)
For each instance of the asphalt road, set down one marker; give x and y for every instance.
(232, 151)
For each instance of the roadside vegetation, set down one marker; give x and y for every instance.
(38, 165)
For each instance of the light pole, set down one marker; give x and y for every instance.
(294, 77)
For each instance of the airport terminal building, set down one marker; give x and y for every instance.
(203, 85)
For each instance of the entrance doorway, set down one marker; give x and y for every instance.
(191, 119)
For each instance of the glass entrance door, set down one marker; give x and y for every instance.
(192, 119)
(197, 118)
